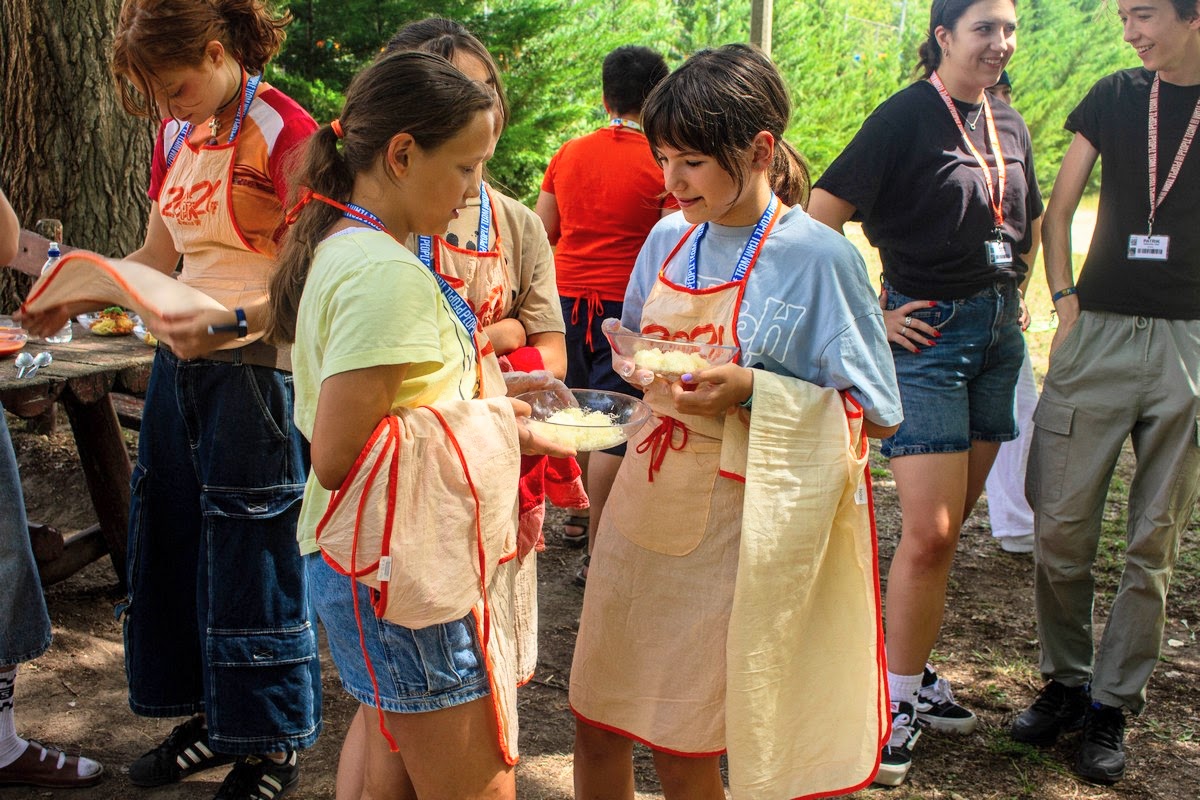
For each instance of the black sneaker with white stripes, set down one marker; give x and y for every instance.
(183, 752)
(937, 709)
(897, 754)
(260, 778)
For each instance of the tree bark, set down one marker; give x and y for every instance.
(67, 148)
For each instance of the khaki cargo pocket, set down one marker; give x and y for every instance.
(1049, 452)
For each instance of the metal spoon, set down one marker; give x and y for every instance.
(24, 361)
(42, 359)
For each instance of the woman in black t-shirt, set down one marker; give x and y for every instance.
(944, 185)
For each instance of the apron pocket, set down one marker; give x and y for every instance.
(668, 514)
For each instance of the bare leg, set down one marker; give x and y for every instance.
(603, 764)
(936, 492)
(352, 763)
(602, 471)
(689, 778)
(451, 754)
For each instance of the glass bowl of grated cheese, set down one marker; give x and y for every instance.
(669, 359)
(600, 420)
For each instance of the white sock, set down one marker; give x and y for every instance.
(12, 746)
(904, 688)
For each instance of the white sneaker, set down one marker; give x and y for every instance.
(1017, 544)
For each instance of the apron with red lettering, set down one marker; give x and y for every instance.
(196, 205)
(650, 657)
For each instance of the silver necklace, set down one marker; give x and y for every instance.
(971, 124)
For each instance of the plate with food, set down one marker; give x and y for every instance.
(597, 420)
(142, 333)
(668, 358)
(112, 321)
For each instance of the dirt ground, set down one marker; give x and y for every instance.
(74, 696)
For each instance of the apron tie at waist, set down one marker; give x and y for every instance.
(662, 439)
(595, 307)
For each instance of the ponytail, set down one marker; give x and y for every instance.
(789, 175)
(253, 33)
(325, 172)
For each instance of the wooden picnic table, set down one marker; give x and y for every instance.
(83, 377)
(84, 374)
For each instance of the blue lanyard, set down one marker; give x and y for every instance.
(425, 243)
(691, 280)
(186, 130)
(461, 310)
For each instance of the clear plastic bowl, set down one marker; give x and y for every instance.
(12, 336)
(669, 359)
(613, 419)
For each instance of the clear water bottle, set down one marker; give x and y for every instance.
(64, 335)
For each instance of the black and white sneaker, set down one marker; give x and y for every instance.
(897, 754)
(260, 778)
(937, 709)
(183, 752)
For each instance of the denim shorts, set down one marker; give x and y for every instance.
(417, 670)
(589, 365)
(961, 389)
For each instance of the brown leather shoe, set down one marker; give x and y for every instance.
(44, 766)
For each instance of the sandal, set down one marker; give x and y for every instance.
(581, 574)
(576, 540)
(50, 768)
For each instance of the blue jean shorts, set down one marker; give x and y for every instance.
(961, 389)
(417, 670)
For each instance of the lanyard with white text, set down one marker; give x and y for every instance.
(621, 122)
(425, 243)
(247, 99)
(463, 311)
(749, 252)
(1184, 145)
(996, 199)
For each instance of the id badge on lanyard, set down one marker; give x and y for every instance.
(999, 253)
(1148, 247)
(1153, 247)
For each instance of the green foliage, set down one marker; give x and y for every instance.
(841, 58)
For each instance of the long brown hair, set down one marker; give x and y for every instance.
(154, 35)
(445, 37)
(417, 93)
(716, 103)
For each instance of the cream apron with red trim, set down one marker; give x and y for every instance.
(372, 535)
(650, 657)
(806, 612)
(196, 205)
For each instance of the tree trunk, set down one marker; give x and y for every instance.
(67, 148)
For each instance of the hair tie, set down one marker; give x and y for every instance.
(336, 125)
